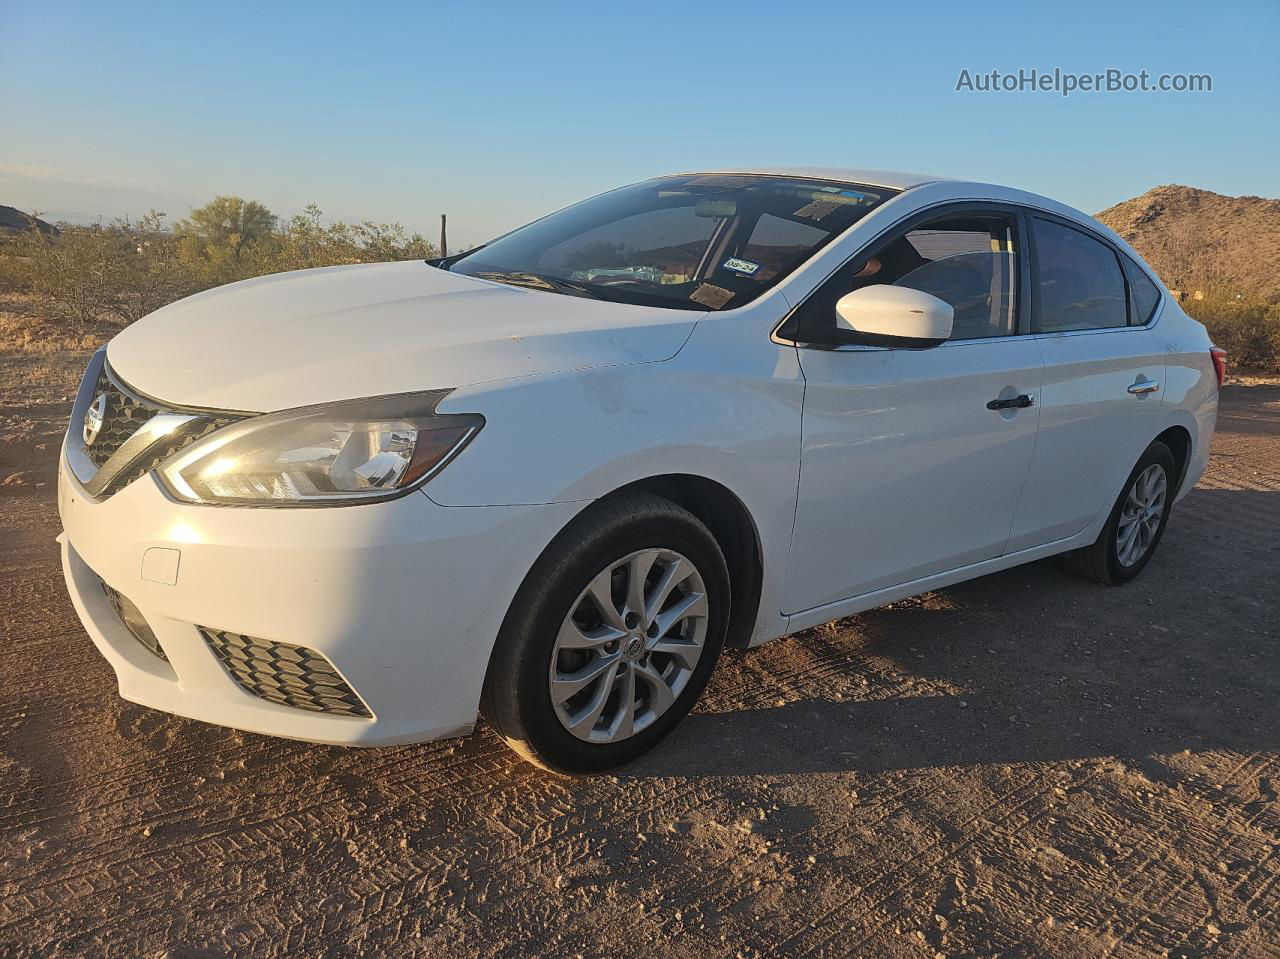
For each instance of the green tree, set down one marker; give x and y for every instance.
(218, 236)
(230, 222)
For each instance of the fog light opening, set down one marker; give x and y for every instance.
(134, 621)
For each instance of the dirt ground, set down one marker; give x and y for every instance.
(1024, 765)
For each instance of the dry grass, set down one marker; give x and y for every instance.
(25, 332)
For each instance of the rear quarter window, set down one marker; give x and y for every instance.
(1146, 295)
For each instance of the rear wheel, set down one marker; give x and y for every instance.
(1136, 524)
(611, 638)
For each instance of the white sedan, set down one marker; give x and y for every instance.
(548, 479)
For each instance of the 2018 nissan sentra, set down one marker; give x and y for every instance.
(547, 480)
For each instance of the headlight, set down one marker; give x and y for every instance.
(342, 453)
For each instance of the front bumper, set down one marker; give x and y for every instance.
(404, 598)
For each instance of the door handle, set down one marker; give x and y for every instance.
(1019, 402)
(1144, 386)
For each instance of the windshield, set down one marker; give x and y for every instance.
(701, 242)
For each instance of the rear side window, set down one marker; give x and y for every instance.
(1081, 286)
(1146, 295)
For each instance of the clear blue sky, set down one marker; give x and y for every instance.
(496, 113)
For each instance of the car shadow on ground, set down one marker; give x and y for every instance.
(1033, 665)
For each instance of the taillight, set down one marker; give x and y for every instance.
(1219, 357)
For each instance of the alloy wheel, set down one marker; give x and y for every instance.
(1141, 515)
(629, 645)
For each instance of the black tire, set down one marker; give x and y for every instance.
(1101, 561)
(516, 700)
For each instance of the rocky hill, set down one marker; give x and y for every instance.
(1198, 240)
(13, 220)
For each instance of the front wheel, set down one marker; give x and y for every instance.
(612, 637)
(1136, 524)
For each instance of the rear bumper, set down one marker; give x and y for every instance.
(403, 598)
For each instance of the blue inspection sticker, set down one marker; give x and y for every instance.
(745, 267)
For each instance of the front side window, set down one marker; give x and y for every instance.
(1081, 286)
(969, 263)
(967, 260)
(699, 242)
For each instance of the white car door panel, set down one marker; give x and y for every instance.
(1099, 400)
(904, 470)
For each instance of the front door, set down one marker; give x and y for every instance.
(905, 469)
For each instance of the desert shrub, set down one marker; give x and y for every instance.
(69, 274)
(1249, 330)
(13, 277)
(126, 269)
(223, 242)
(306, 242)
(150, 272)
(122, 270)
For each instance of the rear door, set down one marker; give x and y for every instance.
(1102, 389)
(905, 469)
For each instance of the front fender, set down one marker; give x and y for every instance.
(727, 409)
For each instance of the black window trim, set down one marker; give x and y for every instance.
(1023, 297)
(1030, 213)
(1128, 263)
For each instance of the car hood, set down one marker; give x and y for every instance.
(317, 336)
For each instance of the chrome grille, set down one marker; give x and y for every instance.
(283, 673)
(123, 415)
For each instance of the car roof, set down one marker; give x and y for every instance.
(893, 179)
(896, 180)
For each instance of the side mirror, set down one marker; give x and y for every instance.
(894, 316)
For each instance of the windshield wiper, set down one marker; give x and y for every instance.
(554, 284)
(537, 281)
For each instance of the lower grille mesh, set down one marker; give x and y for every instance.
(283, 673)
